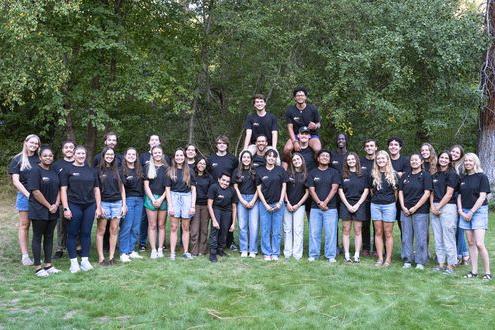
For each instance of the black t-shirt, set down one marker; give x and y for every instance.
(15, 167)
(157, 185)
(470, 188)
(222, 198)
(413, 187)
(144, 158)
(203, 183)
(261, 126)
(61, 165)
(367, 165)
(309, 158)
(296, 187)
(442, 180)
(354, 186)
(109, 185)
(219, 164)
(246, 181)
(271, 182)
(179, 185)
(133, 183)
(299, 118)
(401, 164)
(80, 181)
(322, 181)
(386, 193)
(258, 161)
(118, 157)
(48, 183)
(337, 160)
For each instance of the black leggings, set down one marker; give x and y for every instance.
(43, 229)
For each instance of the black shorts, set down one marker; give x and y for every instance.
(360, 214)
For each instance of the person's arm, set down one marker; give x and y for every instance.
(274, 139)
(331, 194)
(234, 217)
(314, 196)
(124, 199)
(401, 202)
(361, 200)
(38, 196)
(247, 139)
(476, 205)
(292, 135)
(147, 190)
(254, 199)
(169, 201)
(446, 198)
(65, 202)
(302, 200)
(19, 186)
(282, 196)
(193, 200)
(239, 195)
(214, 221)
(459, 208)
(98, 212)
(421, 201)
(343, 199)
(262, 198)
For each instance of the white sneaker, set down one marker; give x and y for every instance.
(42, 273)
(154, 254)
(26, 261)
(311, 259)
(407, 265)
(53, 270)
(159, 254)
(86, 266)
(252, 255)
(332, 260)
(275, 258)
(135, 255)
(124, 258)
(74, 268)
(244, 254)
(267, 258)
(187, 256)
(172, 256)
(420, 267)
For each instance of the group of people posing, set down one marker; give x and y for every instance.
(265, 195)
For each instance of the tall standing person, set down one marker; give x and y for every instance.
(81, 199)
(339, 155)
(370, 147)
(298, 115)
(60, 165)
(44, 199)
(19, 169)
(260, 123)
(472, 206)
(323, 183)
(110, 141)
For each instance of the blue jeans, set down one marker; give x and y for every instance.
(271, 230)
(248, 226)
(143, 233)
(80, 225)
(462, 249)
(327, 220)
(130, 224)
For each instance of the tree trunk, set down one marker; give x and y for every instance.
(486, 134)
(90, 142)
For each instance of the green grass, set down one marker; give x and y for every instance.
(237, 293)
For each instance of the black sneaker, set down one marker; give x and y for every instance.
(222, 253)
(233, 247)
(213, 258)
(142, 248)
(58, 255)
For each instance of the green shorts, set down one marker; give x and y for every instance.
(148, 204)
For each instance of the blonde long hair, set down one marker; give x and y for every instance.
(151, 173)
(477, 163)
(24, 161)
(389, 172)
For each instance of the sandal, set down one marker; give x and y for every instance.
(379, 263)
(356, 260)
(347, 260)
(471, 275)
(487, 277)
(386, 264)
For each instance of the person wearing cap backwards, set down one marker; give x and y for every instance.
(299, 115)
(260, 123)
(308, 154)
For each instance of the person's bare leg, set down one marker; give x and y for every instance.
(389, 240)
(100, 232)
(152, 215)
(174, 224)
(24, 224)
(358, 238)
(114, 232)
(379, 239)
(288, 148)
(473, 250)
(479, 236)
(185, 234)
(315, 144)
(345, 236)
(162, 215)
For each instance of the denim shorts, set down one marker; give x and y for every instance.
(181, 204)
(383, 212)
(149, 205)
(112, 210)
(21, 202)
(478, 221)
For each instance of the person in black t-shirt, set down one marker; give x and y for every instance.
(414, 193)
(201, 218)
(44, 199)
(260, 123)
(247, 205)
(429, 156)
(110, 140)
(443, 212)
(132, 179)
(323, 183)
(80, 196)
(308, 154)
(259, 155)
(191, 154)
(299, 115)
(340, 154)
(155, 174)
(383, 185)
(180, 187)
(472, 205)
(19, 169)
(60, 165)
(370, 148)
(223, 209)
(399, 163)
(295, 199)
(353, 192)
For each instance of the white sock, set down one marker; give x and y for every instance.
(347, 255)
(73, 261)
(160, 249)
(356, 254)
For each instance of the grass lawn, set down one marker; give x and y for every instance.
(237, 293)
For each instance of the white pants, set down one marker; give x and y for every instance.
(294, 233)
